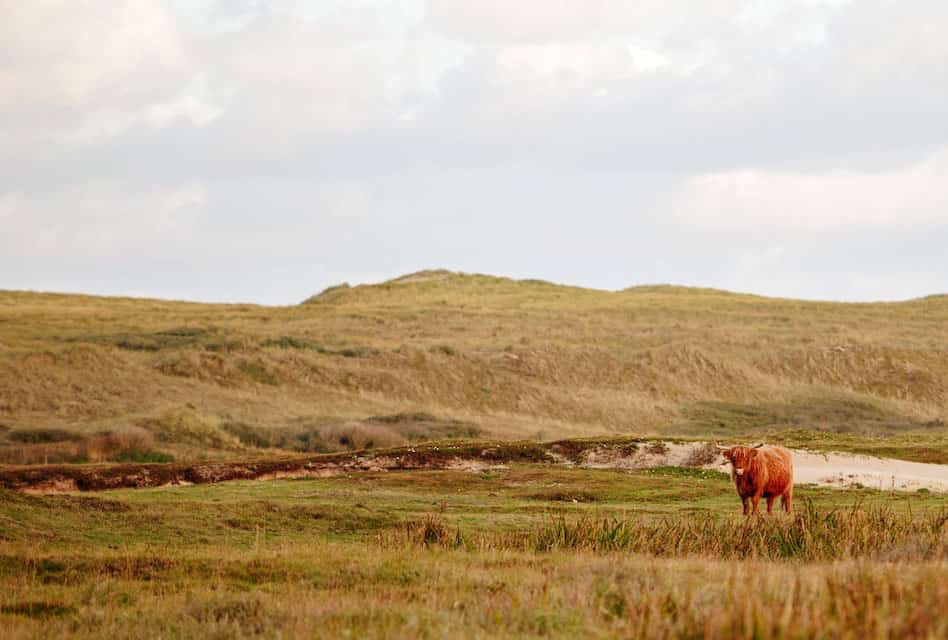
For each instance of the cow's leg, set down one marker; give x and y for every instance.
(787, 497)
(745, 501)
(755, 500)
(770, 504)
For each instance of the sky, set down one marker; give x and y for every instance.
(260, 151)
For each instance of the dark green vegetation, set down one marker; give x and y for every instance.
(530, 550)
(476, 356)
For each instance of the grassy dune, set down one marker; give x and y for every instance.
(524, 552)
(442, 355)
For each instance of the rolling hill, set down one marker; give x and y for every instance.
(437, 355)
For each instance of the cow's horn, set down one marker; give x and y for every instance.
(759, 446)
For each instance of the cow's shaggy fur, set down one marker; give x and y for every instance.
(761, 472)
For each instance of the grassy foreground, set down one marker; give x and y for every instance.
(439, 355)
(526, 551)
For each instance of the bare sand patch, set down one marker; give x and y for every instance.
(848, 470)
(831, 469)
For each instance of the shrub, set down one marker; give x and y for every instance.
(37, 436)
(38, 610)
(398, 418)
(291, 342)
(564, 496)
(377, 431)
(258, 372)
(445, 349)
(249, 435)
(430, 532)
(130, 444)
(656, 448)
(702, 455)
(419, 427)
(186, 427)
(136, 455)
(54, 453)
(357, 352)
(173, 338)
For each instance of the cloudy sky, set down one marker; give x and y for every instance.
(260, 150)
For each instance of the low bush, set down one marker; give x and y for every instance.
(444, 349)
(131, 444)
(43, 436)
(37, 610)
(293, 342)
(374, 432)
(187, 427)
(703, 455)
(137, 455)
(258, 372)
(430, 532)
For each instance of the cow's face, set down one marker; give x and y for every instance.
(740, 458)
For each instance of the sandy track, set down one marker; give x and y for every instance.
(832, 469)
(846, 470)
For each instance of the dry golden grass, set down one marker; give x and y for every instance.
(507, 553)
(418, 594)
(516, 358)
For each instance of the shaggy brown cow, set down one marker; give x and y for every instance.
(761, 471)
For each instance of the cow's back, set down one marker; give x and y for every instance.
(779, 464)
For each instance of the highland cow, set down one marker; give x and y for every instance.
(761, 472)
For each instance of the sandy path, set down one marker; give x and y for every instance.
(833, 469)
(846, 470)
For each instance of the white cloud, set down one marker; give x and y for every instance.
(289, 76)
(103, 219)
(76, 53)
(181, 128)
(917, 194)
(77, 72)
(646, 59)
(187, 108)
(541, 21)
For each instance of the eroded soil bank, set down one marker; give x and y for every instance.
(840, 470)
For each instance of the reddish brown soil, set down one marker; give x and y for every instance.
(75, 477)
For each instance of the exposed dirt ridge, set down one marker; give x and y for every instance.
(828, 469)
(448, 455)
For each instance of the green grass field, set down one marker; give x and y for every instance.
(527, 551)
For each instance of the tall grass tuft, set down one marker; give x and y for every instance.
(430, 532)
(810, 535)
